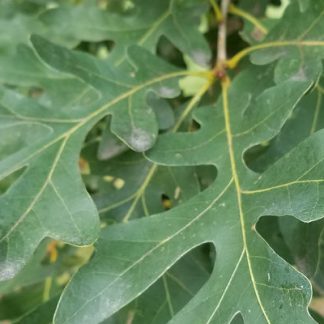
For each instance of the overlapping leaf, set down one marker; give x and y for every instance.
(298, 44)
(169, 294)
(43, 143)
(138, 23)
(43, 195)
(43, 277)
(246, 269)
(129, 186)
(123, 22)
(303, 239)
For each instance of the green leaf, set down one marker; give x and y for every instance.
(126, 23)
(225, 202)
(306, 119)
(303, 4)
(41, 315)
(20, 302)
(303, 239)
(129, 186)
(127, 122)
(297, 44)
(16, 24)
(170, 293)
(33, 273)
(50, 188)
(225, 215)
(137, 22)
(45, 143)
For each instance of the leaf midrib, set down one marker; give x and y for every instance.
(225, 87)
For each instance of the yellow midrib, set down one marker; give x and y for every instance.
(229, 135)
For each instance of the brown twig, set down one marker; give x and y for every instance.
(220, 65)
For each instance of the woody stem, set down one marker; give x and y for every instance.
(222, 31)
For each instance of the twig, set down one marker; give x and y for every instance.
(219, 70)
(222, 28)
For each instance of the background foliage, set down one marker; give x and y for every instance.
(141, 182)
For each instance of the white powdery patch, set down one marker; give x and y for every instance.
(166, 92)
(299, 76)
(201, 58)
(140, 140)
(8, 270)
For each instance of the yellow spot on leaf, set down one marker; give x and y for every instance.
(119, 183)
(52, 251)
(108, 178)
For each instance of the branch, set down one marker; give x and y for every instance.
(222, 33)
(219, 70)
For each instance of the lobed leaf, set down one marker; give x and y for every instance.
(263, 137)
(45, 143)
(270, 290)
(297, 44)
